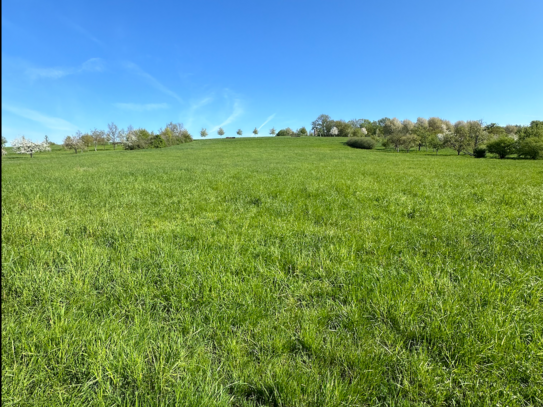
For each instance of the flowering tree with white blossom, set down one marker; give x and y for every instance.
(334, 132)
(74, 142)
(4, 142)
(24, 146)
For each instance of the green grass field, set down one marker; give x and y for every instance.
(271, 272)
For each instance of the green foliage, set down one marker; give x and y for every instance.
(409, 141)
(356, 132)
(365, 143)
(322, 125)
(185, 137)
(534, 130)
(137, 139)
(435, 142)
(220, 132)
(531, 147)
(502, 146)
(239, 132)
(344, 128)
(167, 136)
(479, 152)
(302, 131)
(157, 141)
(282, 133)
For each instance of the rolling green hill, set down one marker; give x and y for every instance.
(271, 272)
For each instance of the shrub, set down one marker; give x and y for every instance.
(157, 141)
(282, 133)
(285, 132)
(531, 147)
(479, 152)
(361, 142)
(302, 131)
(502, 146)
(185, 137)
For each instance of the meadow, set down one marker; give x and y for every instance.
(271, 272)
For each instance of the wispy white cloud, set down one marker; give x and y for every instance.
(50, 73)
(152, 80)
(267, 120)
(137, 107)
(237, 111)
(201, 103)
(194, 106)
(84, 32)
(54, 123)
(90, 65)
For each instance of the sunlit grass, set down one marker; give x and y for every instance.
(278, 271)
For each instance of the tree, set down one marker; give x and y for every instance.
(255, 131)
(422, 132)
(492, 129)
(435, 125)
(282, 133)
(363, 131)
(535, 129)
(74, 142)
(136, 139)
(98, 137)
(24, 146)
(87, 140)
(409, 141)
(156, 141)
(407, 126)
(272, 131)
(393, 130)
(344, 129)
(175, 133)
(239, 132)
(502, 146)
(357, 132)
(220, 132)
(4, 142)
(203, 133)
(302, 131)
(459, 139)
(167, 136)
(322, 125)
(436, 142)
(113, 134)
(510, 129)
(531, 147)
(334, 132)
(477, 135)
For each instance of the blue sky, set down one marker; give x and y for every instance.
(245, 64)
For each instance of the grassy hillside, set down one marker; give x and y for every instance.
(271, 272)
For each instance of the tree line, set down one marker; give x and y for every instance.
(472, 137)
(129, 138)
